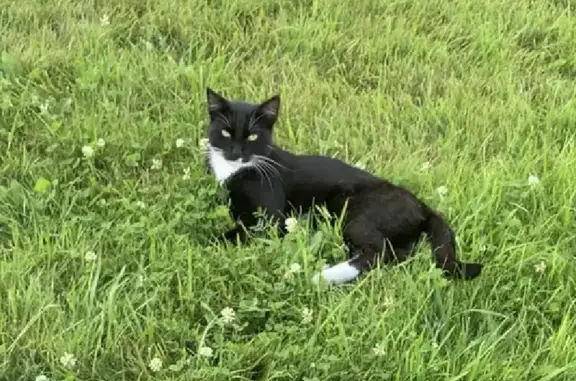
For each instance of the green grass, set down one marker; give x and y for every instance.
(482, 90)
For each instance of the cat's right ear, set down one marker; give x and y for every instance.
(216, 102)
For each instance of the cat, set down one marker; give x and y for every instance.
(382, 221)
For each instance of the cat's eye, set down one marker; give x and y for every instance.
(225, 133)
(252, 137)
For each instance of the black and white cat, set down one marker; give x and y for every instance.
(382, 221)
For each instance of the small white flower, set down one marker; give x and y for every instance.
(228, 315)
(149, 46)
(442, 190)
(41, 377)
(307, 316)
(295, 268)
(90, 256)
(68, 360)
(206, 352)
(156, 164)
(88, 151)
(533, 180)
(540, 267)
(379, 349)
(104, 20)
(140, 204)
(203, 143)
(389, 301)
(155, 364)
(291, 224)
(186, 175)
(426, 166)
(100, 143)
(179, 143)
(44, 108)
(360, 165)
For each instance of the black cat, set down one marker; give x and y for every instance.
(382, 221)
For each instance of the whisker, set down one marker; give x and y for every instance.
(262, 170)
(252, 123)
(224, 119)
(270, 164)
(272, 161)
(270, 169)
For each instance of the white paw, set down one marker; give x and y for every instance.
(340, 273)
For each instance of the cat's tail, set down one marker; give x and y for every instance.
(443, 245)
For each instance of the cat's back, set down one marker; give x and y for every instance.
(316, 168)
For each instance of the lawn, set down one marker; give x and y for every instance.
(108, 270)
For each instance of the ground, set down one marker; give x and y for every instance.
(107, 268)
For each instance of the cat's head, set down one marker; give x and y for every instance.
(239, 130)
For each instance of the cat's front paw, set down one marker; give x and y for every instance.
(337, 274)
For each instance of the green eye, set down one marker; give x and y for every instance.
(225, 133)
(252, 137)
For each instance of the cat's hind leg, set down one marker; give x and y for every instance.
(368, 246)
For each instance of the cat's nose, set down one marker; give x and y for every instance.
(233, 155)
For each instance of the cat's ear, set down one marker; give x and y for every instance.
(216, 102)
(270, 108)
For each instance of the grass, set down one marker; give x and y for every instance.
(484, 91)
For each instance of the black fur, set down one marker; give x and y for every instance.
(382, 221)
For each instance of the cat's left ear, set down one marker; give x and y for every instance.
(216, 102)
(270, 109)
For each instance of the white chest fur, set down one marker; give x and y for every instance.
(224, 169)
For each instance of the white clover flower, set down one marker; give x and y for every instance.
(87, 151)
(379, 349)
(295, 268)
(105, 20)
(41, 377)
(291, 224)
(100, 143)
(228, 315)
(442, 190)
(90, 256)
(186, 175)
(426, 166)
(179, 143)
(155, 364)
(307, 316)
(533, 180)
(44, 108)
(205, 352)
(389, 301)
(540, 267)
(156, 164)
(203, 143)
(68, 360)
